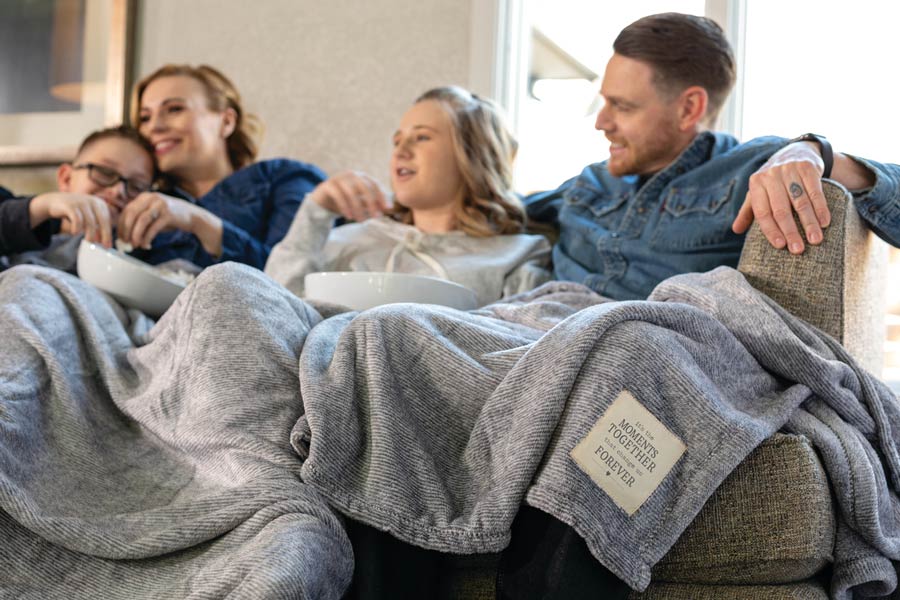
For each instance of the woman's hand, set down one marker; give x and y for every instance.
(79, 213)
(151, 213)
(352, 194)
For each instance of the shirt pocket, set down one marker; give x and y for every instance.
(695, 217)
(604, 210)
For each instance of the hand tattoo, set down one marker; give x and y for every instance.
(796, 190)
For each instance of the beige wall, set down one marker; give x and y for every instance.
(329, 79)
(28, 180)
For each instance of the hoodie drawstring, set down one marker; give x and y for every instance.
(411, 244)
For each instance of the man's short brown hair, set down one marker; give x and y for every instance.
(683, 50)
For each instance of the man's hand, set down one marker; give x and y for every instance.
(789, 182)
(79, 213)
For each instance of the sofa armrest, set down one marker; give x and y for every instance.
(838, 286)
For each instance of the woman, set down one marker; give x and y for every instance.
(216, 204)
(454, 213)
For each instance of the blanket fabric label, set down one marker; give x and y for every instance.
(628, 452)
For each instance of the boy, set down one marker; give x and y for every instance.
(112, 166)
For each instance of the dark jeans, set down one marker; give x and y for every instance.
(545, 559)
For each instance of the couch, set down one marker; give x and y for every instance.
(769, 530)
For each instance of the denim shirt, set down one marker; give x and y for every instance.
(256, 204)
(621, 236)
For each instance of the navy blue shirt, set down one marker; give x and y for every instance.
(16, 234)
(256, 204)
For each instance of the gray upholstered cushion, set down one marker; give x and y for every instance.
(771, 521)
(676, 591)
(838, 286)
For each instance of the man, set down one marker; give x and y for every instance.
(674, 197)
(111, 167)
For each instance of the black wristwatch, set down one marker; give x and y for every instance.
(824, 145)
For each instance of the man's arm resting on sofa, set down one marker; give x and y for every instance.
(789, 183)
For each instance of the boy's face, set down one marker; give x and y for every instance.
(105, 160)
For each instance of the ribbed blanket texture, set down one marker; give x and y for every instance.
(209, 456)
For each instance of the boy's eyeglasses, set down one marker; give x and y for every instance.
(106, 177)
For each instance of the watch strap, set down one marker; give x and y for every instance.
(824, 146)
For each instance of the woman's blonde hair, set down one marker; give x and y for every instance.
(243, 144)
(484, 150)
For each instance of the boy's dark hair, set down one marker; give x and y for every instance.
(683, 50)
(122, 132)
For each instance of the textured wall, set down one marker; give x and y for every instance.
(329, 79)
(28, 180)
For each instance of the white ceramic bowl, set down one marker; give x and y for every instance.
(365, 289)
(132, 282)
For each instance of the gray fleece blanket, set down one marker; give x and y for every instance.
(618, 418)
(155, 463)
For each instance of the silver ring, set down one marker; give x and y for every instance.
(154, 215)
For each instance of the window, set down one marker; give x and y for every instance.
(803, 66)
(825, 74)
(556, 116)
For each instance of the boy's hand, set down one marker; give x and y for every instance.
(79, 213)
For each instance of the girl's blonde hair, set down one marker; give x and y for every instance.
(243, 144)
(484, 150)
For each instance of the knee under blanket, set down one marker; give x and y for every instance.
(435, 425)
(156, 464)
(138, 463)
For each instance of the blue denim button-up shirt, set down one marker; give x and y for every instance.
(256, 204)
(621, 236)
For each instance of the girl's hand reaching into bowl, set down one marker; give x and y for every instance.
(354, 195)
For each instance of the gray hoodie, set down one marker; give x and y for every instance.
(493, 267)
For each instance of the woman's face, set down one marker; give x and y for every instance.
(424, 172)
(189, 139)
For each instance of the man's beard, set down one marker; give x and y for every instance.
(656, 154)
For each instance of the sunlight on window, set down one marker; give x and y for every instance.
(556, 123)
(825, 74)
(809, 67)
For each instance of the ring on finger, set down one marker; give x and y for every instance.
(154, 214)
(796, 189)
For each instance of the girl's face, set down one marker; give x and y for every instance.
(189, 139)
(424, 172)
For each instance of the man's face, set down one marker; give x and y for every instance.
(119, 155)
(641, 125)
